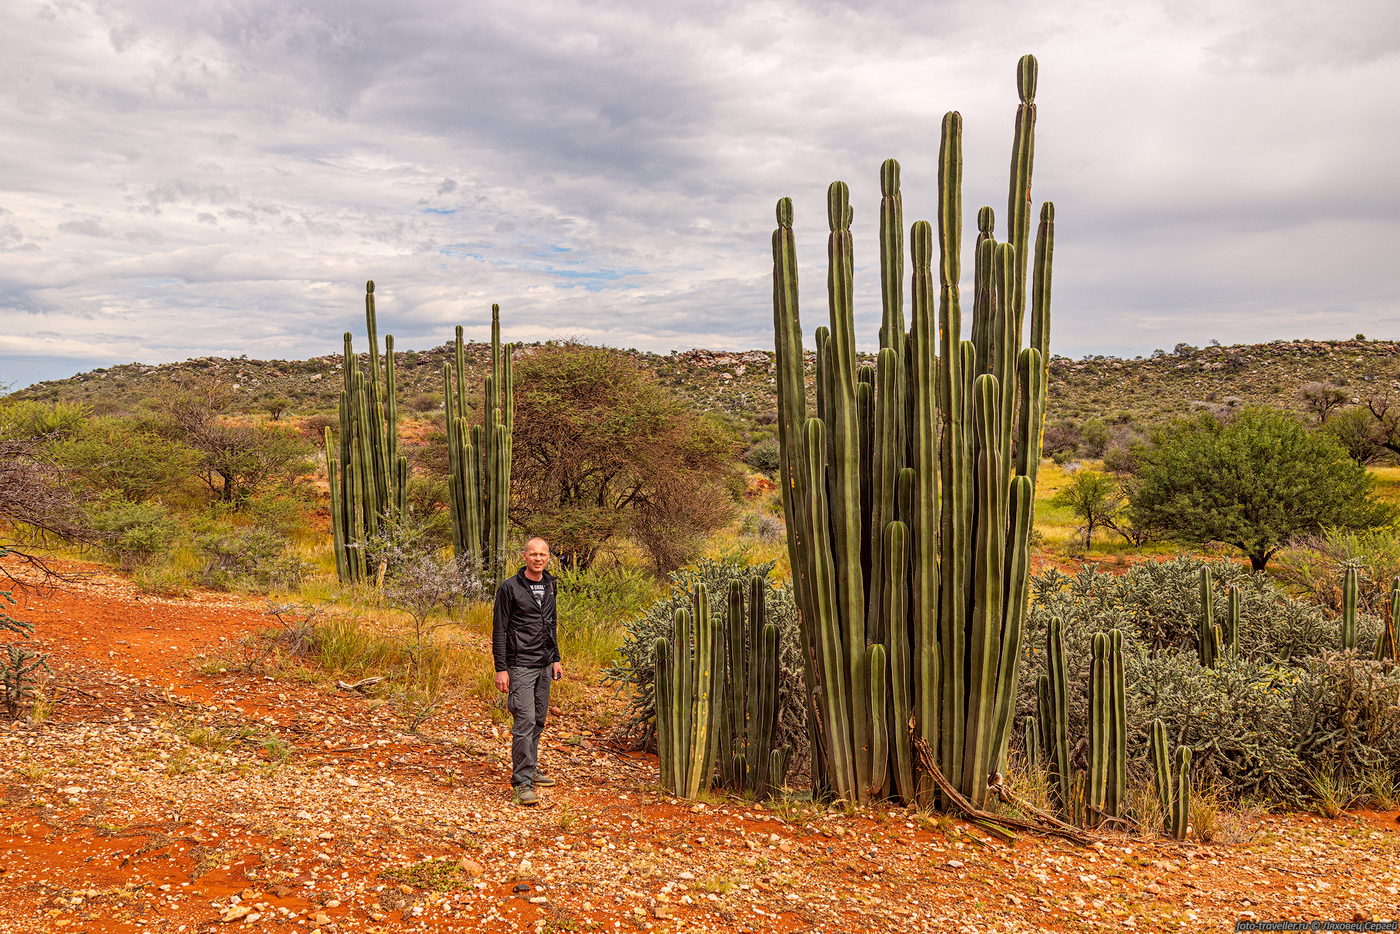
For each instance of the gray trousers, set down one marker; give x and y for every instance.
(528, 702)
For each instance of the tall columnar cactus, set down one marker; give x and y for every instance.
(688, 696)
(1052, 696)
(1208, 636)
(479, 456)
(1108, 743)
(1173, 781)
(1181, 797)
(748, 760)
(1349, 597)
(1388, 642)
(909, 495)
(368, 477)
(1232, 624)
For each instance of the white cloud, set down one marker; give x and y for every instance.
(218, 178)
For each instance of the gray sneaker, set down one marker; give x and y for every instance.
(526, 795)
(543, 780)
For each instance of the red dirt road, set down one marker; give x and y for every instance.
(163, 795)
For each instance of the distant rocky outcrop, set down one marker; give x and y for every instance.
(740, 383)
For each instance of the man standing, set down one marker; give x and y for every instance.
(525, 643)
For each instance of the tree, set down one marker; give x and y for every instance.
(600, 450)
(1359, 433)
(1253, 481)
(124, 456)
(1322, 399)
(1094, 498)
(233, 460)
(276, 406)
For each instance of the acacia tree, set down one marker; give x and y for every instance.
(233, 460)
(1095, 499)
(1253, 481)
(600, 449)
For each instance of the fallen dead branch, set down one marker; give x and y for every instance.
(1048, 824)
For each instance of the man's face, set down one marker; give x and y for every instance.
(536, 555)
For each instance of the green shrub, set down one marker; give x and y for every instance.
(135, 534)
(121, 455)
(1264, 724)
(247, 557)
(1313, 566)
(763, 456)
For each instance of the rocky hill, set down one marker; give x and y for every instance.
(741, 383)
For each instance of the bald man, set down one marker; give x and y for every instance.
(525, 644)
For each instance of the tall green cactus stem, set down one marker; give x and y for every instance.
(1099, 731)
(1052, 703)
(941, 443)
(792, 470)
(843, 468)
(1350, 590)
(666, 752)
(1032, 742)
(750, 700)
(1232, 625)
(1207, 639)
(479, 456)
(1181, 796)
(688, 702)
(1108, 752)
(369, 477)
(1118, 726)
(1388, 642)
(1173, 781)
(1162, 774)
(922, 512)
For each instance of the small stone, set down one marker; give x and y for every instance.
(522, 887)
(472, 868)
(955, 864)
(235, 913)
(538, 900)
(305, 815)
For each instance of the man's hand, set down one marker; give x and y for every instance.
(558, 671)
(503, 681)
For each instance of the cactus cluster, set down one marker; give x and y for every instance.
(1052, 708)
(479, 456)
(1216, 640)
(908, 493)
(1108, 732)
(369, 477)
(1173, 780)
(688, 695)
(717, 681)
(749, 760)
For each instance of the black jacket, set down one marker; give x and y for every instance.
(524, 635)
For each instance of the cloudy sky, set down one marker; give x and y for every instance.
(202, 178)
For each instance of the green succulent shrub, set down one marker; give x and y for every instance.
(1261, 723)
